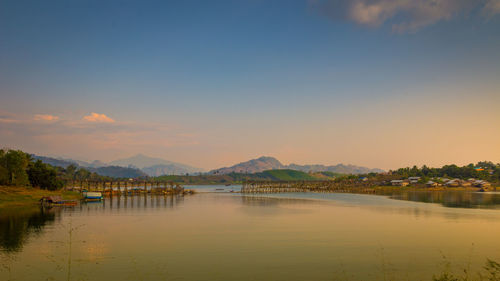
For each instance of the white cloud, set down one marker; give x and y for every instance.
(96, 117)
(492, 8)
(406, 16)
(45, 117)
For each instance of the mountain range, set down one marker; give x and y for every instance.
(142, 165)
(270, 163)
(135, 166)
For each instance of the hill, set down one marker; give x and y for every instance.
(252, 166)
(283, 175)
(108, 171)
(118, 172)
(54, 161)
(155, 166)
(271, 175)
(269, 163)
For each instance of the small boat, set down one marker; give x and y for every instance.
(228, 184)
(92, 196)
(57, 200)
(219, 189)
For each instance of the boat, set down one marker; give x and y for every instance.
(92, 196)
(57, 200)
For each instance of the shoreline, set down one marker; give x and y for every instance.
(11, 196)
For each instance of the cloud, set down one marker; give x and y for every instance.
(491, 8)
(99, 118)
(406, 16)
(45, 117)
(73, 135)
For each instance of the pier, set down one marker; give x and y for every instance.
(111, 188)
(307, 186)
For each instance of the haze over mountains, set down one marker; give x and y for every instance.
(270, 163)
(142, 165)
(135, 166)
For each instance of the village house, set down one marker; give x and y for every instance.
(432, 184)
(466, 183)
(399, 183)
(414, 179)
(482, 183)
(453, 183)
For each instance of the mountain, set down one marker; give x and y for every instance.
(118, 172)
(339, 169)
(269, 163)
(56, 162)
(108, 171)
(155, 166)
(253, 166)
(170, 169)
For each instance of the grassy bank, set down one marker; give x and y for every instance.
(21, 196)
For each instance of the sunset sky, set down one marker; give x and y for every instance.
(377, 83)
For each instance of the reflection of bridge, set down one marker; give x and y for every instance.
(126, 187)
(137, 202)
(348, 186)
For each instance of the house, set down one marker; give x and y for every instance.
(399, 183)
(453, 183)
(431, 184)
(466, 183)
(482, 184)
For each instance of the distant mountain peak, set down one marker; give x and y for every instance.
(155, 166)
(264, 163)
(260, 164)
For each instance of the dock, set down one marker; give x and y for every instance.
(125, 188)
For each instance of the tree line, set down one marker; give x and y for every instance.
(18, 168)
(482, 170)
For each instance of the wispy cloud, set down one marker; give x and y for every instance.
(406, 16)
(94, 133)
(492, 8)
(96, 117)
(45, 117)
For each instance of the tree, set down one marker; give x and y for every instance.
(44, 176)
(13, 164)
(82, 174)
(4, 173)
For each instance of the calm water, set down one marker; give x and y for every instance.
(227, 236)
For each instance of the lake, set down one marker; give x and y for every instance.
(230, 236)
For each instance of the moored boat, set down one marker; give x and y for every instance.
(56, 200)
(92, 196)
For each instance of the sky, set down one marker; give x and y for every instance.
(377, 83)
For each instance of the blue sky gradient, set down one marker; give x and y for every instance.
(217, 82)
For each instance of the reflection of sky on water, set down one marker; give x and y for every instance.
(221, 236)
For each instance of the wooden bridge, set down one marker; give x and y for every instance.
(126, 187)
(349, 186)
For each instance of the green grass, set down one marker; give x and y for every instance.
(19, 196)
(284, 175)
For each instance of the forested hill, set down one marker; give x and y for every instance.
(270, 163)
(274, 175)
(107, 171)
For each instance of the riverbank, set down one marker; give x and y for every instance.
(11, 196)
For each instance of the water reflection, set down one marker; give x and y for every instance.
(452, 199)
(132, 203)
(17, 225)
